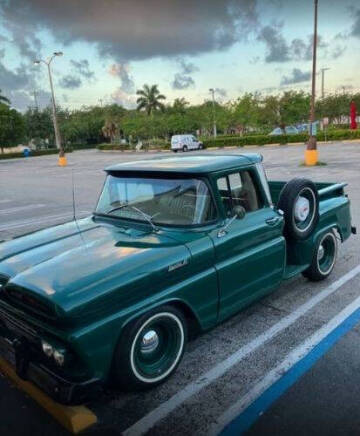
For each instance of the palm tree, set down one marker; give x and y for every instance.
(150, 99)
(180, 104)
(4, 99)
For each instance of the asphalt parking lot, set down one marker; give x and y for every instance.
(226, 370)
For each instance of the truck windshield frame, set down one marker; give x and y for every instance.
(169, 202)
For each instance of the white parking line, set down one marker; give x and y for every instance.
(159, 413)
(277, 372)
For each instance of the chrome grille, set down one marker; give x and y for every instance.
(16, 326)
(20, 297)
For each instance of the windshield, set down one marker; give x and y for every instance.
(165, 201)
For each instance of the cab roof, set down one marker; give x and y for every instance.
(195, 164)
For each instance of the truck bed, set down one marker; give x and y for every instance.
(326, 190)
(334, 213)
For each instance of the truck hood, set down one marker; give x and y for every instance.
(70, 267)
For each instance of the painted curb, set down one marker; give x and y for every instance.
(74, 418)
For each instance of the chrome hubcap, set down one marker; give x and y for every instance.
(149, 342)
(302, 209)
(321, 252)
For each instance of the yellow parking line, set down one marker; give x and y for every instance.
(73, 418)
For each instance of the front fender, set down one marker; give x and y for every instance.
(95, 343)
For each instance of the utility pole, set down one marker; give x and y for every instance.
(323, 81)
(62, 158)
(311, 153)
(35, 100)
(100, 101)
(212, 90)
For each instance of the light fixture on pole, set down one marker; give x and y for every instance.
(212, 90)
(311, 153)
(62, 157)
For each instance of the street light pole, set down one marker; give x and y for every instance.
(56, 127)
(212, 90)
(323, 81)
(62, 158)
(35, 100)
(311, 153)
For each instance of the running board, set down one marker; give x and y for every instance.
(293, 270)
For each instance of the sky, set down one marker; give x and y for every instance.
(111, 48)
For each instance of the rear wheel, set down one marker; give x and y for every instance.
(150, 349)
(324, 258)
(185, 149)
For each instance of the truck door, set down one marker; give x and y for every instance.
(250, 255)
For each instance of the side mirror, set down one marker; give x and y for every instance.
(239, 212)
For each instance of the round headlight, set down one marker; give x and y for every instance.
(59, 357)
(47, 348)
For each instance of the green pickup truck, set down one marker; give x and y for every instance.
(175, 246)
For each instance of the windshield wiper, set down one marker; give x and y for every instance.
(147, 217)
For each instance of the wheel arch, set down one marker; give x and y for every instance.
(194, 324)
(330, 227)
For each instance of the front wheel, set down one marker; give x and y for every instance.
(150, 349)
(185, 149)
(324, 258)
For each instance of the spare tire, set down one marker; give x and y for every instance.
(299, 201)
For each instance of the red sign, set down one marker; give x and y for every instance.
(353, 124)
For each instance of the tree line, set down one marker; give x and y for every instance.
(154, 118)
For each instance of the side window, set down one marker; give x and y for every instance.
(239, 189)
(223, 188)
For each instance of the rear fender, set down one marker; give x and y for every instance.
(301, 252)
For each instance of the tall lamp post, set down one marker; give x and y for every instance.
(323, 81)
(62, 157)
(311, 153)
(212, 90)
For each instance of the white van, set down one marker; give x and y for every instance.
(185, 143)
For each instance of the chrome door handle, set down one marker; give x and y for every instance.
(272, 221)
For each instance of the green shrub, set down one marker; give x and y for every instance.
(240, 141)
(338, 135)
(114, 147)
(147, 145)
(83, 146)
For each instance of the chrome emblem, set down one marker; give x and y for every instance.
(178, 265)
